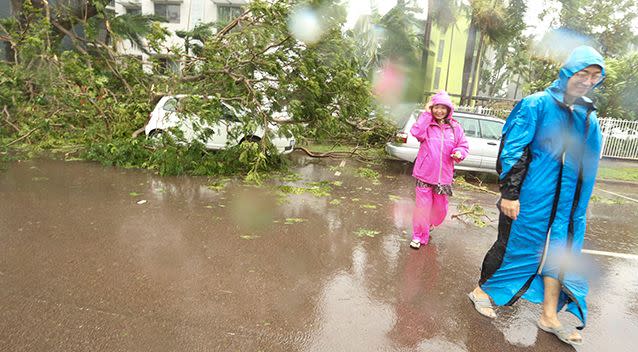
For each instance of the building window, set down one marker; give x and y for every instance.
(439, 57)
(165, 65)
(133, 10)
(437, 78)
(170, 12)
(227, 13)
(134, 45)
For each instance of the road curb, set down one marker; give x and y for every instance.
(617, 182)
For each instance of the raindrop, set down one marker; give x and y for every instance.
(305, 25)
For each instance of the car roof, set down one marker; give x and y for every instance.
(478, 116)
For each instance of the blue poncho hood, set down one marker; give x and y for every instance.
(582, 57)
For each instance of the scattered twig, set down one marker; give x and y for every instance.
(315, 155)
(463, 183)
(359, 126)
(474, 212)
(23, 137)
(74, 38)
(458, 215)
(337, 155)
(101, 111)
(137, 132)
(7, 118)
(232, 24)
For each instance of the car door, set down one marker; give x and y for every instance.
(472, 134)
(175, 119)
(491, 132)
(217, 134)
(220, 132)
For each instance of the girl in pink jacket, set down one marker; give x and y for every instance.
(442, 144)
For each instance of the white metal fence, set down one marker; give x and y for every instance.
(502, 113)
(620, 138)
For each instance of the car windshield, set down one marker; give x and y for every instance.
(470, 126)
(491, 129)
(170, 105)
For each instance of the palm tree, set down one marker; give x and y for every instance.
(192, 39)
(509, 49)
(488, 22)
(368, 35)
(401, 39)
(392, 36)
(133, 27)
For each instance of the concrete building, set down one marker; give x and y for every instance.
(180, 15)
(445, 66)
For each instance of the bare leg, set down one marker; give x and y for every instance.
(549, 317)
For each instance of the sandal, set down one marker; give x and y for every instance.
(415, 244)
(563, 333)
(482, 303)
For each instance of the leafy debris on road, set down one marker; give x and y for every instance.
(361, 232)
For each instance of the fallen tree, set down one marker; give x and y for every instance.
(90, 95)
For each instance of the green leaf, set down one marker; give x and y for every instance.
(290, 221)
(362, 232)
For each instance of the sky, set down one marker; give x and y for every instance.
(357, 8)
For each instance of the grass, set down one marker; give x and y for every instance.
(621, 173)
(372, 155)
(326, 148)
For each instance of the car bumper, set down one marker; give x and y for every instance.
(401, 151)
(284, 145)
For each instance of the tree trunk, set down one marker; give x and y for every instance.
(426, 44)
(518, 82)
(467, 64)
(449, 58)
(475, 69)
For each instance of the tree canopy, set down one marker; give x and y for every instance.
(89, 100)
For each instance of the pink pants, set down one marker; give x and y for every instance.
(430, 209)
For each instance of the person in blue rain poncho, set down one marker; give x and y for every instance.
(547, 164)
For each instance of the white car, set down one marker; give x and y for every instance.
(214, 136)
(483, 135)
(622, 134)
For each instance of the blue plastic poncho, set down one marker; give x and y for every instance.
(548, 161)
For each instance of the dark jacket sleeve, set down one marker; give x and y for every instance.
(515, 156)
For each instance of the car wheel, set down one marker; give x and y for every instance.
(156, 137)
(254, 139)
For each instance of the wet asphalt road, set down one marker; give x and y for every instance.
(84, 267)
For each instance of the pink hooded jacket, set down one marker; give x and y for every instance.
(434, 163)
